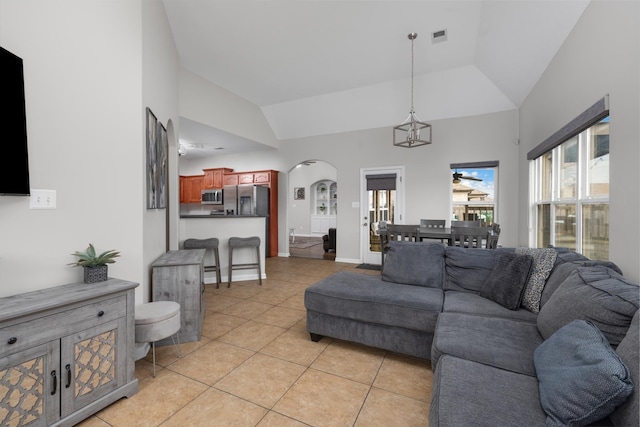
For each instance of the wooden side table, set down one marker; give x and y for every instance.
(179, 276)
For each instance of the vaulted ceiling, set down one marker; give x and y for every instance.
(317, 66)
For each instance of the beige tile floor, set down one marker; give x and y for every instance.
(256, 366)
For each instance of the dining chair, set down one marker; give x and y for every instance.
(469, 237)
(433, 223)
(398, 232)
(493, 236)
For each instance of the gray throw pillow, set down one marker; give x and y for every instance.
(581, 379)
(543, 261)
(505, 285)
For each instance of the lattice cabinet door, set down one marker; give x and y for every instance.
(92, 364)
(29, 391)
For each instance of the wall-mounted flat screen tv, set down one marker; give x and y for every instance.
(14, 160)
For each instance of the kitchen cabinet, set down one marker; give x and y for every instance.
(214, 178)
(178, 276)
(191, 188)
(191, 192)
(245, 178)
(66, 352)
(230, 179)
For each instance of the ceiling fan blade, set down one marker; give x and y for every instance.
(471, 178)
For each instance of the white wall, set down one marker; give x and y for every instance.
(427, 172)
(214, 106)
(601, 56)
(85, 64)
(160, 94)
(84, 121)
(299, 211)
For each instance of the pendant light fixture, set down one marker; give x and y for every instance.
(412, 133)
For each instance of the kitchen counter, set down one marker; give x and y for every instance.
(197, 210)
(223, 228)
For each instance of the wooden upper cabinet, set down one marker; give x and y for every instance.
(245, 178)
(230, 179)
(262, 177)
(214, 178)
(191, 188)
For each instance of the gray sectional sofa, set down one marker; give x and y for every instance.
(515, 336)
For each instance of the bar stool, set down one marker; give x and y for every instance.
(155, 321)
(212, 244)
(244, 242)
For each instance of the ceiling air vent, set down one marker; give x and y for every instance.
(439, 36)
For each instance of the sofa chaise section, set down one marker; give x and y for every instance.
(364, 309)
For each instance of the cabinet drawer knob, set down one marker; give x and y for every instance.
(100, 313)
(12, 340)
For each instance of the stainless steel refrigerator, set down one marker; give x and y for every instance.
(248, 200)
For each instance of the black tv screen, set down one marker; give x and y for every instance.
(14, 160)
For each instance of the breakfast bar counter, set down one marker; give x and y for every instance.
(224, 227)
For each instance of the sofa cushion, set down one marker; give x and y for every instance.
(508, 278)
(628, 414)
(470, 303)
(468, 393)
(543, 260)
(467, 269)
(582, 379)
(563, 269)
(414, 263)
(597, 294)
(367, 298)
(501, 343)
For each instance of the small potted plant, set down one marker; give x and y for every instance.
(95, 266)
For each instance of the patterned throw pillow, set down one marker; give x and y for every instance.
(580, 378)
(543, 261)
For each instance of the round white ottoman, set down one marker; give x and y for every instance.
(155, 321)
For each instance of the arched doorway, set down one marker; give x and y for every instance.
(312, 204)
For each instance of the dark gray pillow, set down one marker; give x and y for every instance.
(581, 379)
(414, 263)
(597, 294)
(505, 285)
(543, 262)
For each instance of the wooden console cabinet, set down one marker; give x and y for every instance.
(66, 352)
(179, 276)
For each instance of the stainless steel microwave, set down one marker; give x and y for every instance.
(212, 197)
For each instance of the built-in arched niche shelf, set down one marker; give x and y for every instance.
(325, 205)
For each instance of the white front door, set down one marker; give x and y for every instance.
(382, 199)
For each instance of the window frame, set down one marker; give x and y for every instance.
(583, 192)
(492, 164)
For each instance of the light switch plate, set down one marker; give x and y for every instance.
(42, 199)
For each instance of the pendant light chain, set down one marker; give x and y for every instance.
(412, 36)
